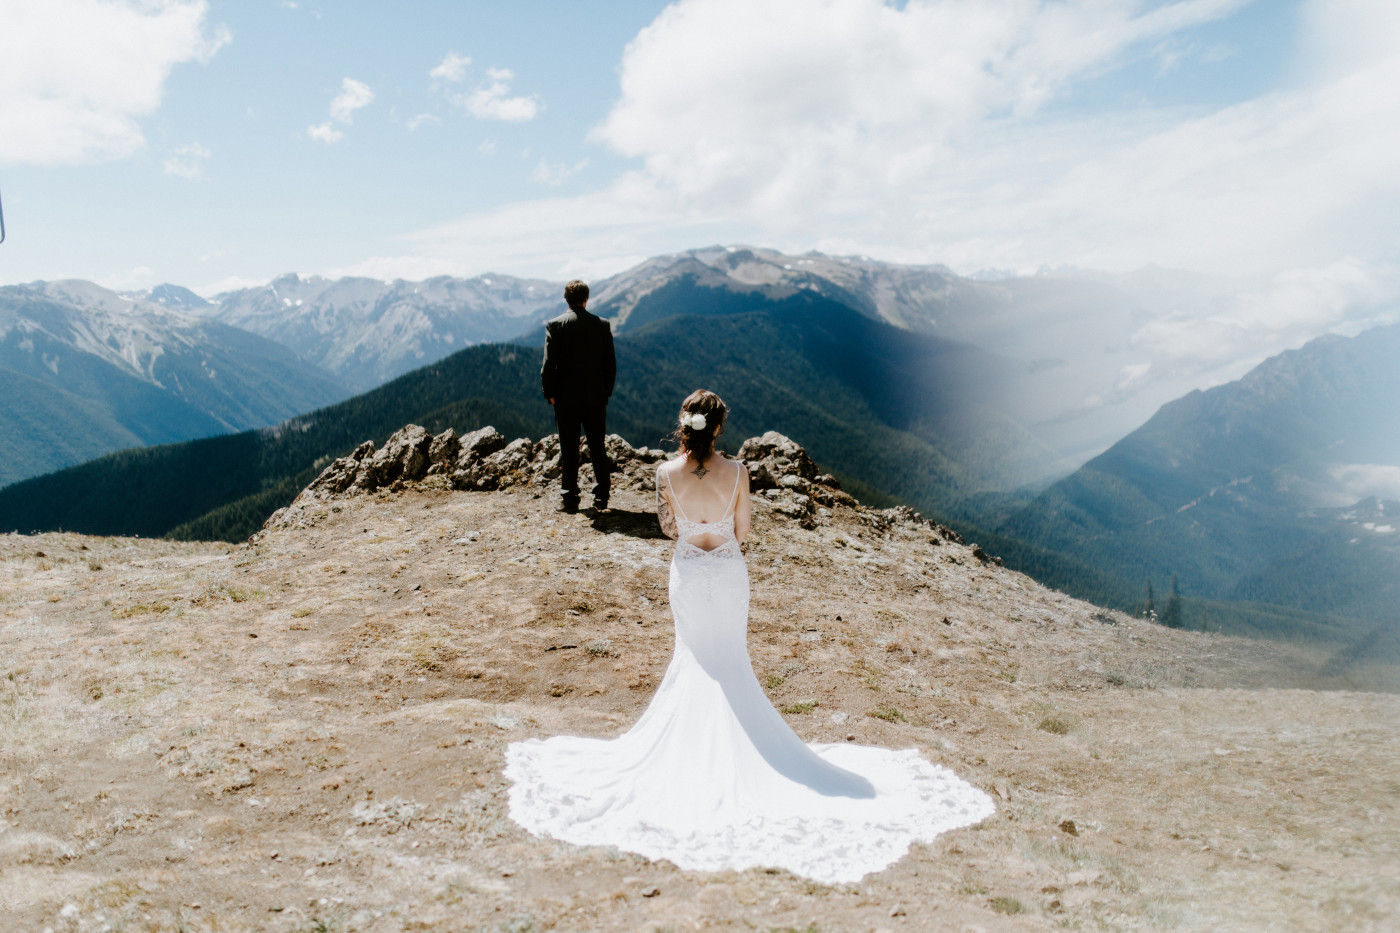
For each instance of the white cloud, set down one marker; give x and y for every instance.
(130, 280)
(604, 232)
(492, 100)
(555, 174)
(1287, 311)
(354, 95)
(924, 133)
(949, 131)
(408, 268)
(1130, 375)
(1360, 480)
(187, 161)
(782, 104)
(75, 75)
(420, 119)
(227, 284)
(452, 68)
(324, 132)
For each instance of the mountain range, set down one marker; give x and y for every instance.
(854, 386)
(1076, 378)
(1264, 504)
(1281, 488)
(1058, 398)
(365, 332)
(85, 371)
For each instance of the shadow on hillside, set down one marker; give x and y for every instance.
(627, 522)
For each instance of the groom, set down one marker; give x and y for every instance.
(577, 377)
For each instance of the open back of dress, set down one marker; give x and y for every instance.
(714, 538)
(711, 777)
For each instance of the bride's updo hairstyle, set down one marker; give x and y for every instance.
(699, 443)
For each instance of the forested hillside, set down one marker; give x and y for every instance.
(859, 393)
(1277, 490)
(84, 371)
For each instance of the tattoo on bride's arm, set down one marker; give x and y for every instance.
(663, 514)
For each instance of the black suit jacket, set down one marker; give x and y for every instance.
(580, 366)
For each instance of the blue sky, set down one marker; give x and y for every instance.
(195, 142)
(267, 198)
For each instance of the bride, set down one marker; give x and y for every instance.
(711, 777)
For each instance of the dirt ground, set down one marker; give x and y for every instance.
(307, 733)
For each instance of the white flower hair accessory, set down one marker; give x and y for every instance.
(696, 421)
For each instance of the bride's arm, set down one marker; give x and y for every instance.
(664, 512)
(743, 515)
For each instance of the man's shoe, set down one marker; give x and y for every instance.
(601, 507)
(569, 508)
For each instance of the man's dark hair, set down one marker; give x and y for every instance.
(576, 293)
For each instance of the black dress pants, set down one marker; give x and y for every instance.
(593, 420)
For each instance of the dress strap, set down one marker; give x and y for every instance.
(734, 493)
(675, 498)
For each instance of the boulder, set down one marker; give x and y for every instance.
(984, 557)
(619, 451)
(443, 453)
(545, 465)
(403, 456)
(515, 457)
(547, 448)
(480, 476)
(796, 506)
(774, 456)
(342, 472)
(478, 444)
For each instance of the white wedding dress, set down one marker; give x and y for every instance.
(712, 778)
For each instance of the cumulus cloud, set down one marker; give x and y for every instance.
(452, 68)
(783, 103)
(949, 131)
(354, 95)
(492, 100)
(324, 132)
(76, 75)
(186, 161)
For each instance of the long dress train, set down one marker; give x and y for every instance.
(711, 777)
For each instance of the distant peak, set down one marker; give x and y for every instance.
(175, 296)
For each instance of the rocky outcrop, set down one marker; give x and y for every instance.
(780, 470)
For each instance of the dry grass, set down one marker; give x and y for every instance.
(308, 734)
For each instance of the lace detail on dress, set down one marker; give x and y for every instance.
(834, 841)
(728, 549)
